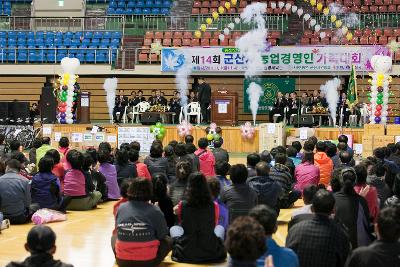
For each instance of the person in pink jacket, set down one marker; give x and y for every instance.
(306, 173)
(206, 158)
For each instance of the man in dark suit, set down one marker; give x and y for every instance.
(279, 108)
(121, 102)
(159, 99)
(152, 97)
(204, 96)
(293, 104)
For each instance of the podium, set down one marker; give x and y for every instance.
(84, 108)
(224, 107)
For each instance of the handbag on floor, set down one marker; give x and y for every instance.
(43, 216)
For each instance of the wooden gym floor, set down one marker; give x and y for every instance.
(84, 239)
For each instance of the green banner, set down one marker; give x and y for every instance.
(271, 86)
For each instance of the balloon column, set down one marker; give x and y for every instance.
(68, 92)
(185, 128)
(158, 130)
(379, 95)
(247, 130)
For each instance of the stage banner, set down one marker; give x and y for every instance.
(278, 58)
(271, 86)
(140, 134)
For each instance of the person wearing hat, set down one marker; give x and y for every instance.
(41, 244)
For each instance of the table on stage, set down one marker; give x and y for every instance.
(166, 117)
(320, 115)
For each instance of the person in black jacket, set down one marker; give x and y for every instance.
(41, 244)
(124, 169)
(279, 108)
(175, 105)
(159, 99)
(293, 105)
(121, 102)
(162, 199)
(204, 97)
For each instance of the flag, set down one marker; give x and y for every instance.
(352, 97)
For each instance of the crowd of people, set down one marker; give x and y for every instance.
(201, 93)
(187, 199)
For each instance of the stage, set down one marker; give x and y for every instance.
(83, 135)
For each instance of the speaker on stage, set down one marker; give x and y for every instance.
(303, 121)
(48, 105)
(150, 118)
(4, 113)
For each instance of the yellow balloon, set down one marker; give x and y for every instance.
(197, 34)
(349, 36)
(234, 2)
(66, 76)
(381, 76)
(338, 23)
(319, 6)
(379, 83)
(221, 10)
(227, 5)
(313, 2)
(333, 18)
(65, 82)
(203, 27)
(209, 21)
(326, 11)
(369, 81)
(215, 15)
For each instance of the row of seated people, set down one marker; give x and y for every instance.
(138, 7)
(157, 98)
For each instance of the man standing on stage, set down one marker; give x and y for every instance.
(204, 96)
(121, 102)
(279, 108)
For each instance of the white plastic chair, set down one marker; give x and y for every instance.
(193, 109)
(125, 115)
(181, 116)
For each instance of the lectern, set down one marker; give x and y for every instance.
(84, 108)
(224, 107)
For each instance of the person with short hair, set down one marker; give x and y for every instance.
(238, 197)
(391, 168)
(297, 145)
(268, 190)
(142, 232)
(15, 194)
(344, 139)
(190, 151)
(220, 154)
(189, 139)
(37, 142)
(245, 242)
(204, 97)
(221, 170)
(198, 238)
(77, 189)
(292, 154)
(395, 199)
(46, 187)
(41, 244)
(110, 173)
(215, 189)
(306, 173)
(63, 148)
(155, 162)
(319, 241)
(308, 146)
(206, 158)
(376, 178)
(346, 164)
(252, 160)
(41, 151)
(385, 251)
(141, 168)
(280, 173)
(124, 169)
(169, 154)
(323, 163)
(305, 212)
(367, 191)
(266, 156)
(58, 168)
(282, 257)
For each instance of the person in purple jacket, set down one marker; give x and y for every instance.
(110, 172)
(215, 189)
(45, 187)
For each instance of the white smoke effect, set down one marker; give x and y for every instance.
(251, 46)
(330, 89)
(351, 20)
(110, 86)
(181, 81)
(336, 9)
(255, 92)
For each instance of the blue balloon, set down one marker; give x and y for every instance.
(63, 115)
(377, 119)
(63, 121)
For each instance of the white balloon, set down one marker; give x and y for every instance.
(273, 5)
(288, 6)
(307, 17)
(226, 31)
(281, 4)
(237, 20)
(221, 37)
(313, 22)
(70, 121)
(322, 35)
(294, 9)
(69, 115)
(317, 28)
(383, 120)
(231, 25)
(300, 12)
(385, 113)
